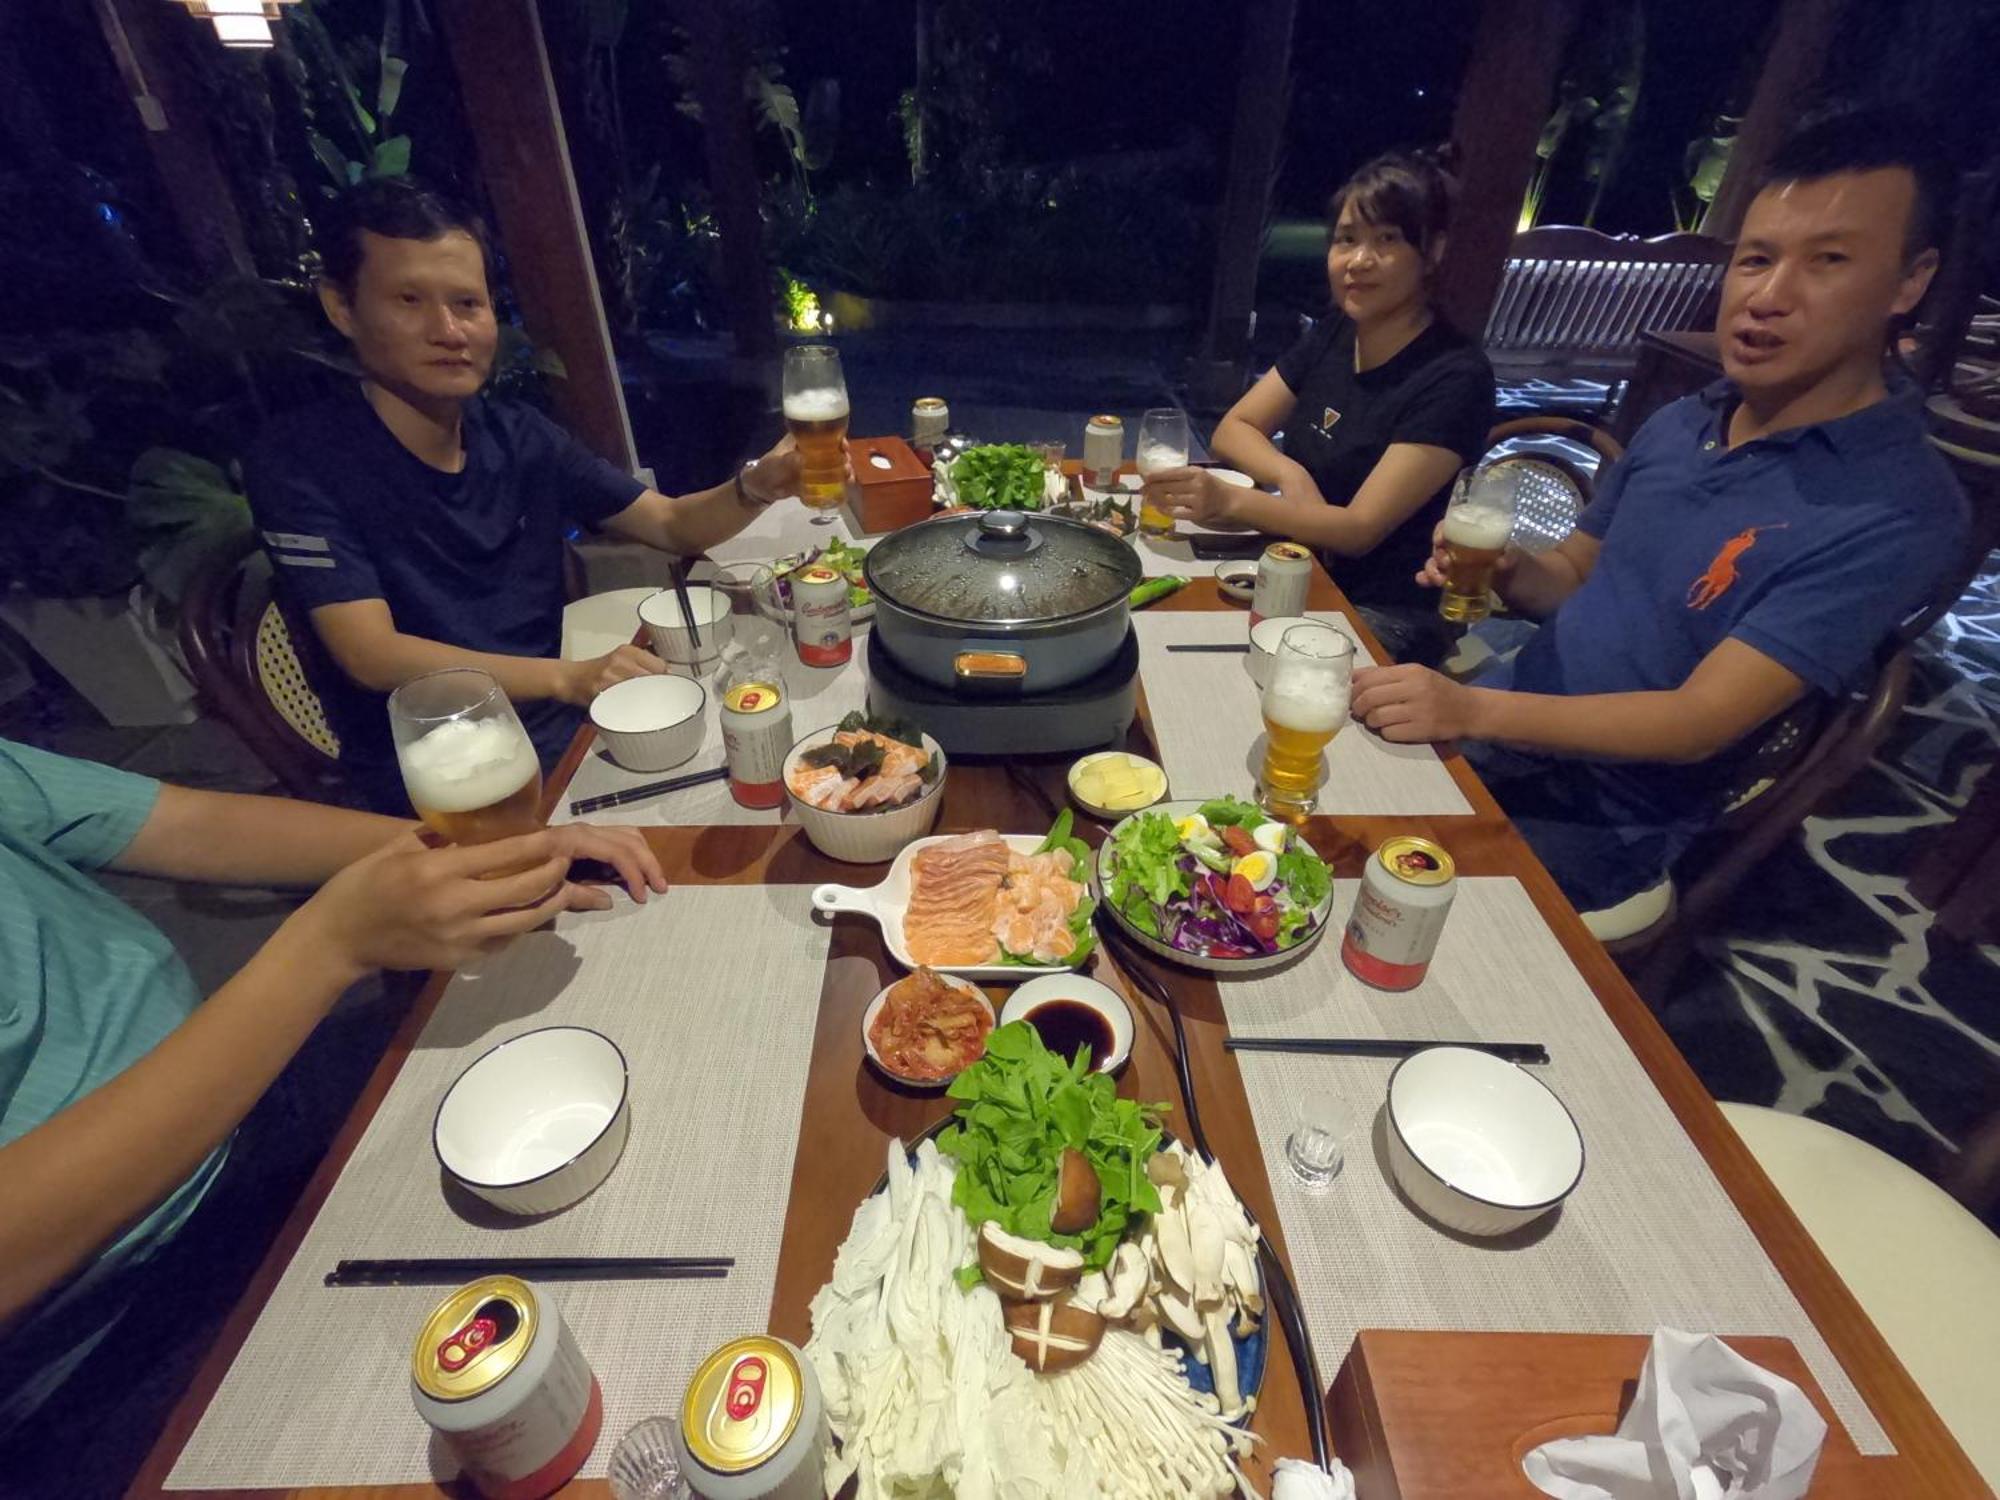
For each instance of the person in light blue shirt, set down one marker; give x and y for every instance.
(1759, 543)
(120, 1085)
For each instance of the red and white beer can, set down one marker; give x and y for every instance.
(1406, 891)
(822, 618)
(1283, 573)
(497, 1373)
(756, 738)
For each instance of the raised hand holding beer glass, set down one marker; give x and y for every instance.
(1163, 444)
(468, 765)
(1304, 703)
(1477, 525)
(815, 397)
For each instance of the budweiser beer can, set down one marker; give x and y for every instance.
(498, 1375)
(930, 419)
(822, 619)
(1282, 575)
(1406, 891)
(756, 737)
(752, 1424)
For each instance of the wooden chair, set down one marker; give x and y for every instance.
(1573, 302)
(253, 672)
(1557, 487)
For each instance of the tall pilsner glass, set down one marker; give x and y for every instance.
(1477, 524)
(1163, 444)
(1305, 703)
(816, 416)
(468, 765)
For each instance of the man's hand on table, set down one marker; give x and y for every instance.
(412, 905)
(1412, 705)
(584, 680)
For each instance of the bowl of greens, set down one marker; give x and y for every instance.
(999, 476)
(1219, 886)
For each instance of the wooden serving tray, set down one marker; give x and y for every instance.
(1449, 1416)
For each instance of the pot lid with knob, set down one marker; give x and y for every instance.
(1000, 567)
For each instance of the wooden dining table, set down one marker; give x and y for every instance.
(849, 1112)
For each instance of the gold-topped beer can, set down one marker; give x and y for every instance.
(752, 1426)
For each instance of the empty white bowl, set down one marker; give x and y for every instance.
(661, 614)
(1264, 638)
(1478, 1144)
(872, 835)
(1107, 1002)
(538, 1121)
(651, 723)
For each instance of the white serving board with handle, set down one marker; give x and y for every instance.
(888, 902)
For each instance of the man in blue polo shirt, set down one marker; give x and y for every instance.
(1759, 541)
(418, 525)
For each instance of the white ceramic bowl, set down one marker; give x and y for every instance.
(651, 723)
(1264, 638)
(660, 613)
(872, 836)
(1101, 998)
(537, 1122)
(875, 1009)
(1478, 1144)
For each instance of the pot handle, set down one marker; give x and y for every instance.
(990, 664)
(828, 899)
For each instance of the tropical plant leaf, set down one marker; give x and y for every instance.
(392, 157)
(330, 156)
(779, 108)
(389, 91)
(184, 507)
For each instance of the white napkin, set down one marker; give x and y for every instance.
(1706, 1425)
(1304, 1481)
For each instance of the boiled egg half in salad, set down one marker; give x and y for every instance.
(1259, 868)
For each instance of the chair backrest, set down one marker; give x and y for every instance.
(1558, 472)
(253, 672)
(1578, 297)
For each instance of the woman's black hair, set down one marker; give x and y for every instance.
(1411, 190)
(399, 208)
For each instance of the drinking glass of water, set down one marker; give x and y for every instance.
(1313, 1149)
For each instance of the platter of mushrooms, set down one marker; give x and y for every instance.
(1048, 1296)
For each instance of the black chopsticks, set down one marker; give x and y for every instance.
(687, 609)
(449, 1271)
(1513, 1052)
(584, 805)
(1239, 647)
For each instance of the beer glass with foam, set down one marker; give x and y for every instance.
(468, 765)
(1304, 703)
(1477, 524)
(815, 395)
(1163, 444)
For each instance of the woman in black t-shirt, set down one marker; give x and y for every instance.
(1381, 404)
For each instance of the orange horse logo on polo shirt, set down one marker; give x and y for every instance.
(1720, 576)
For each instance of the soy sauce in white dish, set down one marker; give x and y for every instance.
(1065, 1025)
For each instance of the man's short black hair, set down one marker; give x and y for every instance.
(400, 208)
(1867, 139)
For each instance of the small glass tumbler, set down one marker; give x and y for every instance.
(1313, 1149)
(645, 1465)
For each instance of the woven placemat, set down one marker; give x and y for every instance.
(1649, 1237)
(820, 696)
(711, 994)
(1209, 730)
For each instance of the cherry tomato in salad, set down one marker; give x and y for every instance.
(1223, 950)
(1236, 841)
(1263, 923)
(1239, 895)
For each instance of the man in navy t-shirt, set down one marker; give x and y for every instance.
(1759, 542)
(419, 525)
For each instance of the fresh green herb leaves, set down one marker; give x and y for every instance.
(1306, 877)
(1234, 812)
(1019, 1106)
(999, 476)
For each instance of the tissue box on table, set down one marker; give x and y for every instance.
(1425, 1416)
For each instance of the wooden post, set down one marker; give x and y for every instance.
(510, 99)
(1263, 91)
(1792, 64)
(1504, 100)
(717, 55)
(196, 188)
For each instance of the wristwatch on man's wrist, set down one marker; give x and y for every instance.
(744, 494)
